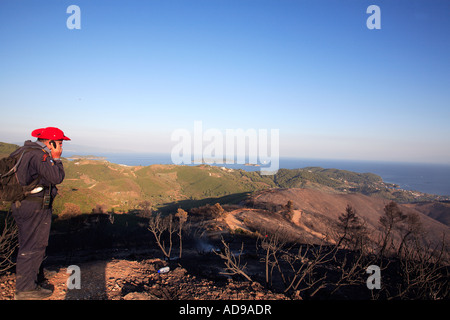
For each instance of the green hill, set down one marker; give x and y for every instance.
(6, 149)
(121, 188)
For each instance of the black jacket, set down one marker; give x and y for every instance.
(39, 163)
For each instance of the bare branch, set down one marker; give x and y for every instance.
(8, 243)
(233, 262)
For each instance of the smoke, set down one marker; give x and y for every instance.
(203, 246)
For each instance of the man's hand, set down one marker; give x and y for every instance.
(56, 152)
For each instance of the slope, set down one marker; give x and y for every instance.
(317, 212)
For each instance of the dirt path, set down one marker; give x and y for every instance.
(233, 220)
(297, 220)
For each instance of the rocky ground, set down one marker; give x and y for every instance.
(140, 280)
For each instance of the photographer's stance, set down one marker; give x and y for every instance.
(40, 162)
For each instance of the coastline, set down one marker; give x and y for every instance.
(427, 178)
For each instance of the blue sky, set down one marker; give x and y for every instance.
(138, 70)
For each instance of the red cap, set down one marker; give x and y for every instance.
(50, 133)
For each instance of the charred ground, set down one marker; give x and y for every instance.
(273, 244)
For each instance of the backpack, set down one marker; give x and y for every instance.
(10, 188)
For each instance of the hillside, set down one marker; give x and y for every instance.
(122, 188)
(94, 182)
(280, 231)
(316, 213)
(438, 210)
(120, 257)
(6, 149)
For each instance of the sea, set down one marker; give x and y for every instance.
(427, 178)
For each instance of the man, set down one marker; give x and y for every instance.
(33, 214)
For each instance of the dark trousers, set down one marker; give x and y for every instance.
(34, 224)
